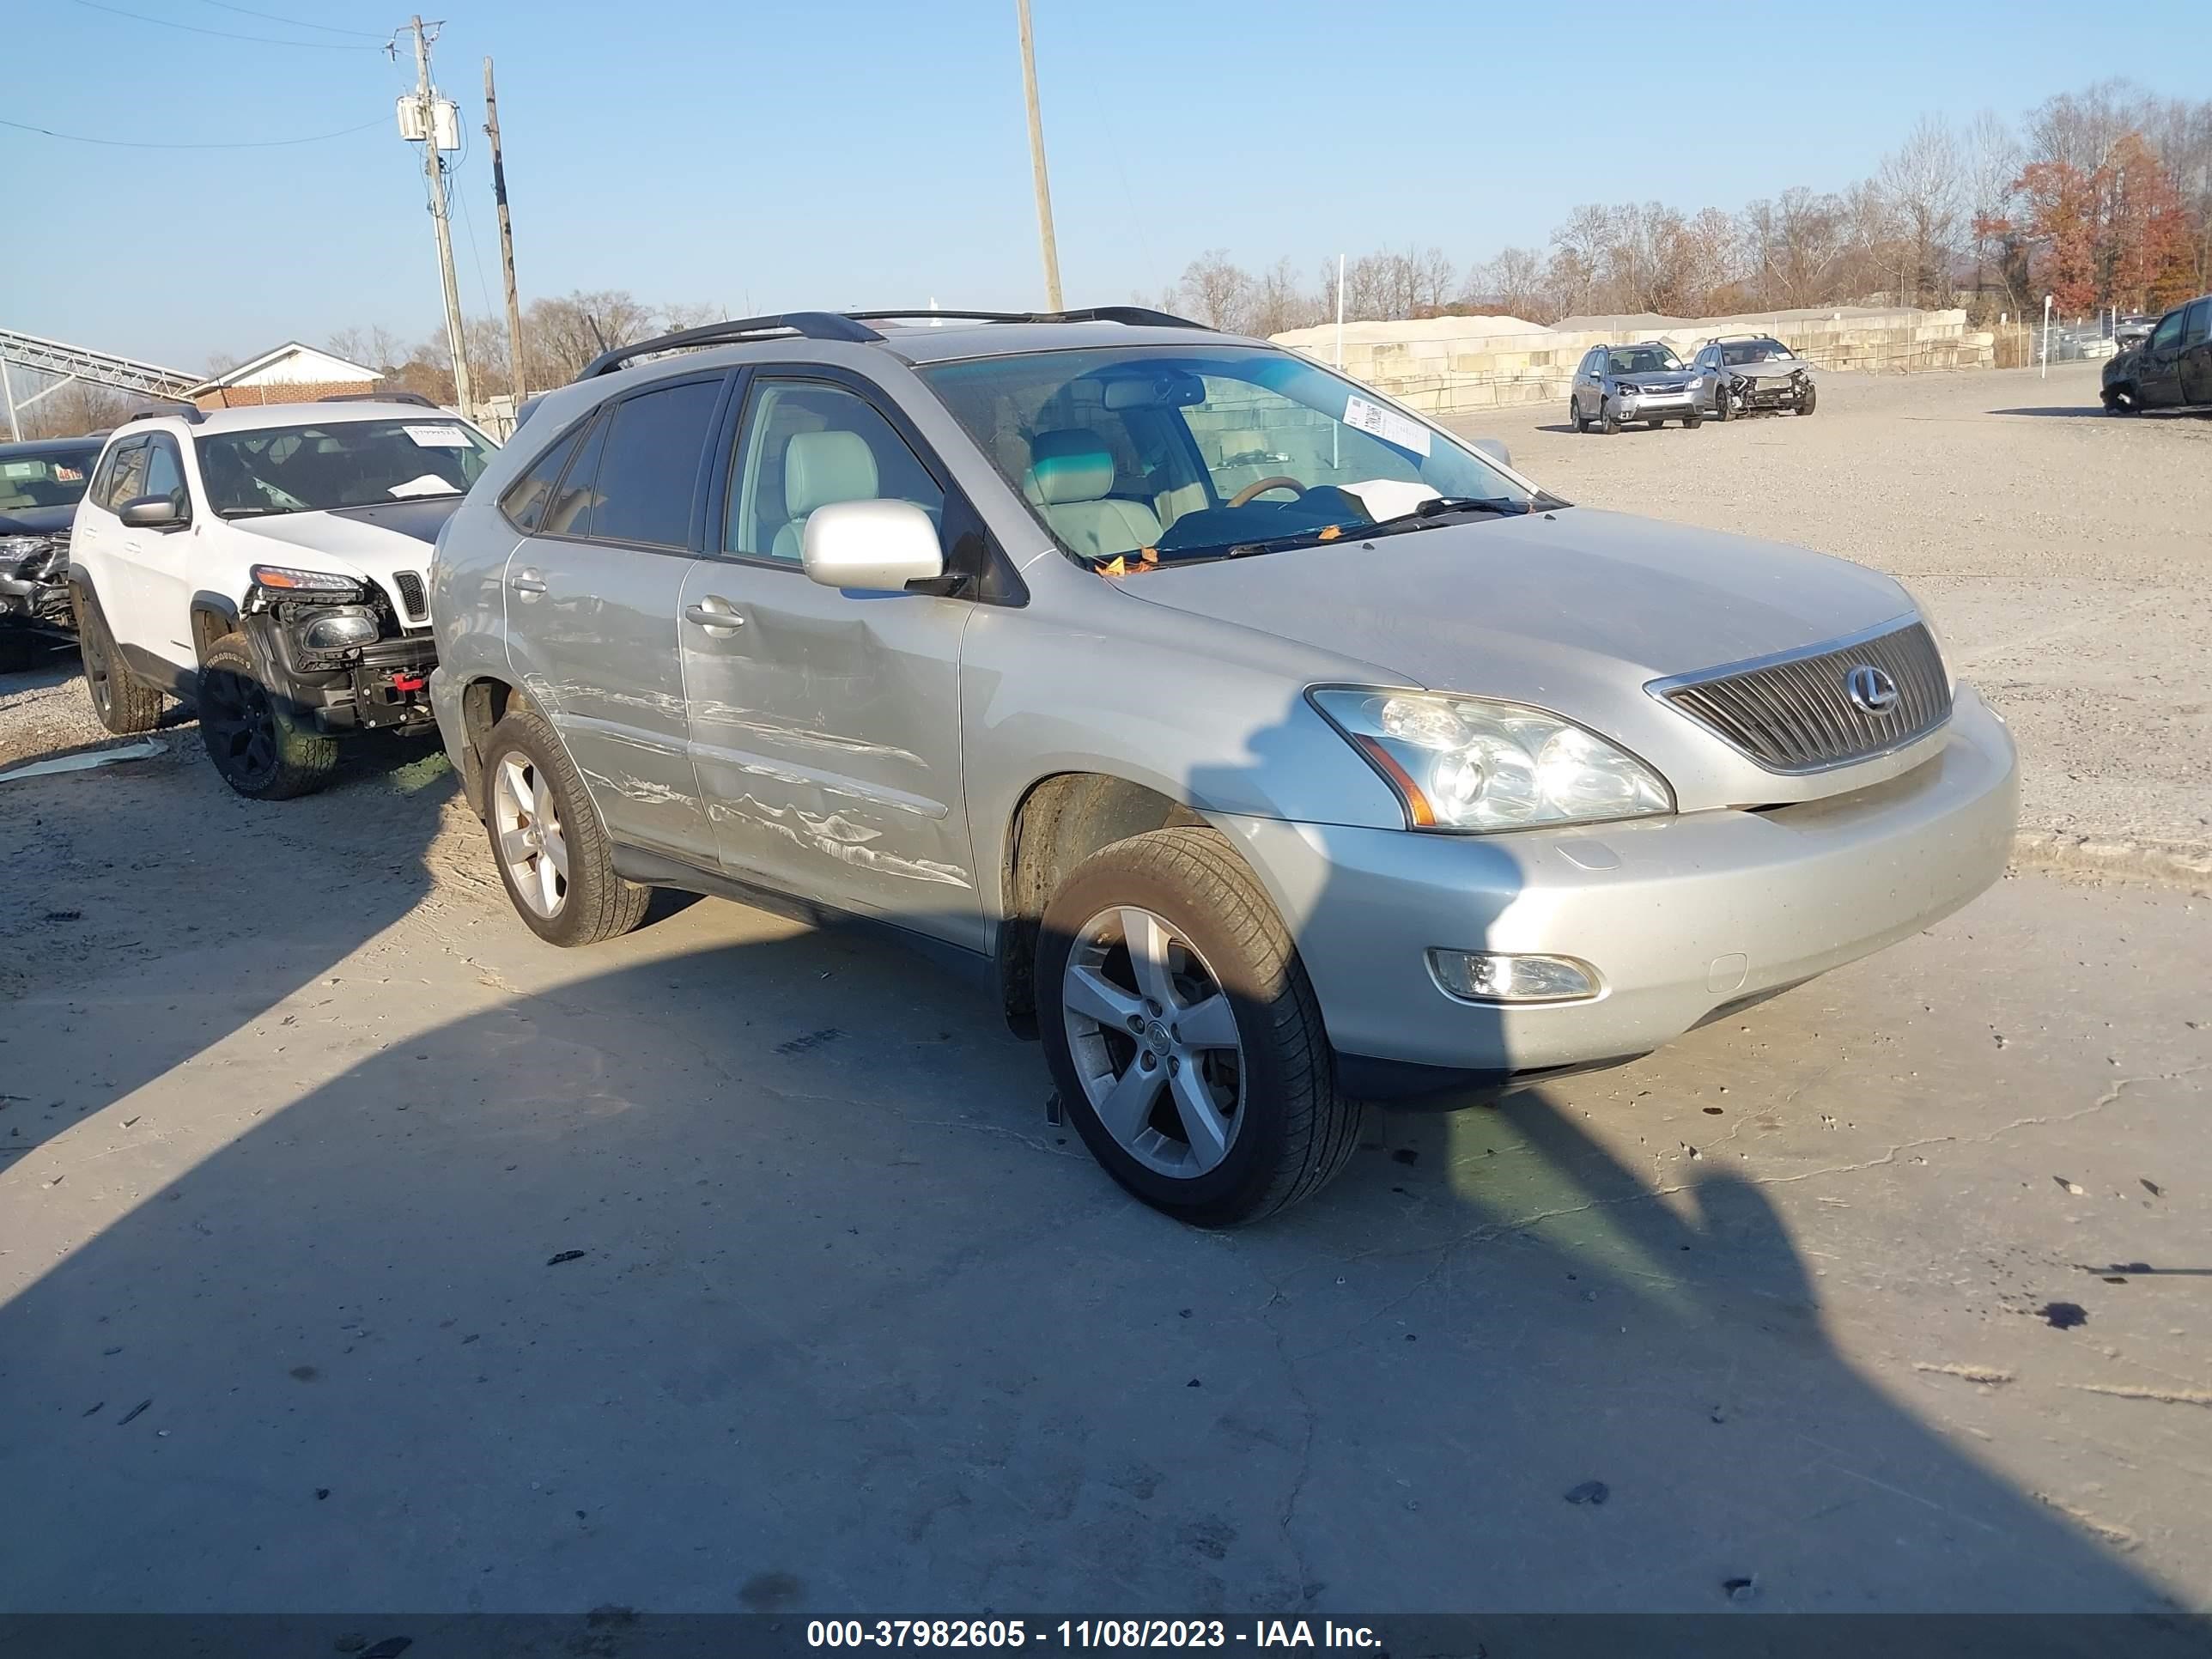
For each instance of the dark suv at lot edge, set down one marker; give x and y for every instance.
(2172, 369)
(40, 484)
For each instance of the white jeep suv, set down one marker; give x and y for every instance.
(265, 564)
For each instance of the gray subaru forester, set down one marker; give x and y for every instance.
(1275, 749)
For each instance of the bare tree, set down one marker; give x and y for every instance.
(1215, 291)
(1278, 304)
(1924, 180)
(1992, 162)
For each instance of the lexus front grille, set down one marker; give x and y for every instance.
(1825, 708)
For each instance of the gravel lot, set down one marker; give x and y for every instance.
(2065, 556)
(357, 1251)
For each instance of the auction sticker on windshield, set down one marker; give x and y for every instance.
(1387, 424)
(439, 437)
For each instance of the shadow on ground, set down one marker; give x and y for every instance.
(702, 1274)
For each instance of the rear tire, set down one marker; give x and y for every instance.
(260, 748)
(1653, 425)
(1289, 1129)
(121, 702)
(1575, 414)
(553, 854)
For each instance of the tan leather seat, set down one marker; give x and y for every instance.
(820, 468)
(1069, 476)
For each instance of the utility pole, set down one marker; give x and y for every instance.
(433, 178)
(1036, 164)
(506, 241)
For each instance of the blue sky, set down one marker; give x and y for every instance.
(775, 156)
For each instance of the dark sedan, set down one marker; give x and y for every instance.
(40, 483)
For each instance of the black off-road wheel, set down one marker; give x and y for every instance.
(261, 747)
(553, 856)
(121, 702)
(1184, 1034)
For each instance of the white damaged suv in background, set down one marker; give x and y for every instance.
(267, 565)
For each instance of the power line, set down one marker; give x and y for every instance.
(294, 22)
(128, 143)
(224, 35)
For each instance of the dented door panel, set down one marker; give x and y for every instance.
(825, 732)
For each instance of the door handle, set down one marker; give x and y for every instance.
(528, 582)
(714, 614)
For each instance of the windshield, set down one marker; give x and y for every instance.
(1736, 352)
(311, 469)
(1641, 360)
(1178, 454)
(50, 478)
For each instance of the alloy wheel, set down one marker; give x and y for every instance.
(240, 726)
(527, 823)
(1154, 1041)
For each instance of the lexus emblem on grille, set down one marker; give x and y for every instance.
(1871, 691)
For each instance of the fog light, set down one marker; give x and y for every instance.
(337, 629)
(1487, 976)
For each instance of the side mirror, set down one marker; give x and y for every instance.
(1496, 450)
(152, 513)
(877, 545)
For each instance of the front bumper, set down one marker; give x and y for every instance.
(1655, 406)
(1764, 394)
(378, 686)
(1680, 916)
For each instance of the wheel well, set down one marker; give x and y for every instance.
(484, 703)
(209, 625)
(1061, 821)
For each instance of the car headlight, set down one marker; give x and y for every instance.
(315, 581)
(1471, 765)
(338, 627)
(14, 547)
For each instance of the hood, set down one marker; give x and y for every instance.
(1574, 612)
(37, 520)
(373, 544)
(2122, 363)
(1769, 370)
(1500, 606)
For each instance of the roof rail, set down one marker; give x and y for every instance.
(1716, 339)
(808, 324)
(1135, 316)
(415, 397)
(190, 414)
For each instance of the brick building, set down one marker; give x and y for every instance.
(292, 374)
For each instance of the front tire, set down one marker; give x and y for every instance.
(1184, 1036)
(121, 702)
(1721, 409)
(260, 747)
(553, 856)
(1607, 423)
(1809, 402)
(1694, 421)
(2121, 400)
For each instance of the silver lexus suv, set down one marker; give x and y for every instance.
(1279, 750)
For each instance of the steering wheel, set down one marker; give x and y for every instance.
(1260, 486)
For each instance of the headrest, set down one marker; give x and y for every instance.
(823, 467)
(1068, 466)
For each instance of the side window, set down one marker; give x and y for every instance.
(569, 511)
(648, 471)
(525, 498)
(126, 474)
(2167, 333)
(807, 445)
(165, 472)
(2198, 326)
